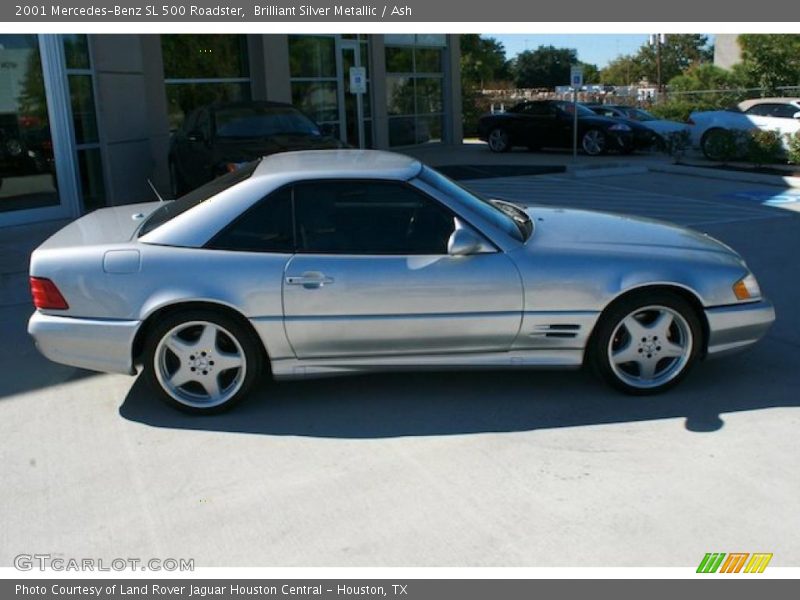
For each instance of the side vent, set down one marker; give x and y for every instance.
(556, 330)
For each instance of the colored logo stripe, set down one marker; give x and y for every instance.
(758, 562)
(711, 562)
(734, 562)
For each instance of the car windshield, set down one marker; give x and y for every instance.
(262, 122)
(169, 210)
(583, 111)
(505, 216)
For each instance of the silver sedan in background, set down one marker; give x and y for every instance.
(320, 263)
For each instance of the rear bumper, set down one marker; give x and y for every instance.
(735, 328)
(97, 345)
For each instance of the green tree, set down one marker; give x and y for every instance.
(705, 77)
(770, 60)
(545, 67)
(679, 52)
(623, 70)
(483, 61)
(591, 74)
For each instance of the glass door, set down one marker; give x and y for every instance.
(353, 113)
(37, 180)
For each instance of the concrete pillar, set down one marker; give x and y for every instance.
(453, 112)
(276, 67)
(377, 74)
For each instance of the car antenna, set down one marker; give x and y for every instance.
(155, 191)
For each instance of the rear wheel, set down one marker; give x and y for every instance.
(646, 343)
(713, 143)
(201, 361)
(499, 140)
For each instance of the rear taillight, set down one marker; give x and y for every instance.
(46, 295)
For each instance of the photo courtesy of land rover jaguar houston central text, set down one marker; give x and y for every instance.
(349, 261)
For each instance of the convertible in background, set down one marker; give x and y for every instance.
(315, 263)
(549, 123)
(768, 114)
(663, 127)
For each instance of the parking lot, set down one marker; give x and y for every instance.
(431, 469)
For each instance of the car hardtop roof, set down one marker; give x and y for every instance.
(339, 164)
(745, 104)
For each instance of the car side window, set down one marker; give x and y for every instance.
(265, 227)
(759, 110)
(784, 111)
(538, 109)
(369, 217)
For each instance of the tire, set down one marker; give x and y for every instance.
(202, 361)
(499, 140)
(646, 342)
(711, 138)
(594, 142)
(178, 186)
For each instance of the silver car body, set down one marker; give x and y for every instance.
(512, 304)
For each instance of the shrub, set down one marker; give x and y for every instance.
(763, 147)
(679, 110)
(726, 145)
(793, 150)
(675, 144)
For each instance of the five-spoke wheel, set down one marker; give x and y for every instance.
(646, 342)
(202, 361)
(594, 142)
(499, 140)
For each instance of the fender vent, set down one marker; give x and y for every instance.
(556, 330)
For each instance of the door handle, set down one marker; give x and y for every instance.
(310, 280)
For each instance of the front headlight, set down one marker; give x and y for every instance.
(747, 288)
(619, 127)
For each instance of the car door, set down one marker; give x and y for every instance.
(540, 124)
(372, 276)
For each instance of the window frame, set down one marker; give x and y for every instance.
(295, 250)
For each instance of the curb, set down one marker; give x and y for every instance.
(585, 172)
(709, 173)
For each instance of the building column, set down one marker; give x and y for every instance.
(377, 76)
(453, 114)
(276, 70)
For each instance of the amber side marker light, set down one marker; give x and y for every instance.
(46, 295)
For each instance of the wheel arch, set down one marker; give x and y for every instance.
(159, 313)
(686, 293)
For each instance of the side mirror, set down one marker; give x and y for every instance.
(195, 135)
(464, 242)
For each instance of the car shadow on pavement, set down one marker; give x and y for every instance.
(428, 404)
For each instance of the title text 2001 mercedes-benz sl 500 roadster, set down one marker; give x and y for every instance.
(329, 262)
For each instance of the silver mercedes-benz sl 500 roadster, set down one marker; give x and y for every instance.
(328, 262)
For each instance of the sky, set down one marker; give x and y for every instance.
(598, 49)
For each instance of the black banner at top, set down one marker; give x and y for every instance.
(473, 11)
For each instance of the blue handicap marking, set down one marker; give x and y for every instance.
(767, 197)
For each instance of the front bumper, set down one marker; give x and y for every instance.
(94, 344)
(737, 327)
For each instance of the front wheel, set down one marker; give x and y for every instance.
(646, 343)
(202, 361)
(594, 142)
(499, 140)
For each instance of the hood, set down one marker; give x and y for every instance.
(606, 233)
(103, 226)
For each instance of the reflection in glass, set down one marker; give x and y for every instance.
(318, 99)
(399, 95)
(399, 60)
(427, 60)
(204, 56)
(182, 98)
(312, 56)
(76, 51)
(27, 177)
(91, 175)
(83, 112)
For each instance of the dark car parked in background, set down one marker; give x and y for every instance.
(217, 138)
(548, 123)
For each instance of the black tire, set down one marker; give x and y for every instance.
(711, 139)
(592, 149)
(668, 370)
(178, 186)
(499, 140)
(230, 331)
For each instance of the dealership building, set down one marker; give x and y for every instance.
(86, 120)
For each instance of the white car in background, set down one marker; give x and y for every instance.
(770, 114)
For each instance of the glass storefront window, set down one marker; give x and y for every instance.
(83, 112)
(312, 56)
(27, 176)
(76, 51)
(318, 99)
(90, 170)
(202, 69)
(414, 88)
